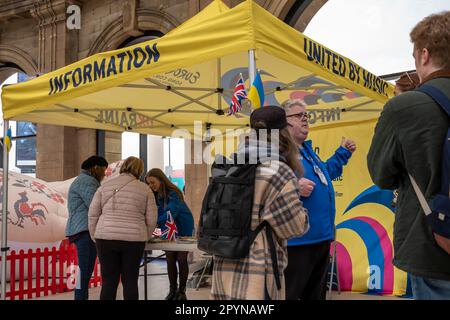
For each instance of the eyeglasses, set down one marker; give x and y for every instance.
(301, 115)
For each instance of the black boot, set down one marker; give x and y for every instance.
(181, 294)
(172, 294)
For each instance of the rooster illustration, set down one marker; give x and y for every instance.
(24, 210)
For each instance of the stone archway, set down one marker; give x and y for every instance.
(296, 13)
(146, 19)
(299, 13)
(15, 59)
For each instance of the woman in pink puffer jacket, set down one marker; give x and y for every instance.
(122, 217)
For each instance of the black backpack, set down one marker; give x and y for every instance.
(225, 219)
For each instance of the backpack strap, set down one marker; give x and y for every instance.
(273, 252)
(115, 191)
(437, 95)
(423, 202)
(444, 102)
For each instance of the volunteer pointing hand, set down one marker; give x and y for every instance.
(348, 144)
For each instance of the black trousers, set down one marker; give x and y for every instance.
(306, 273)
(119, 260)
(180, 257)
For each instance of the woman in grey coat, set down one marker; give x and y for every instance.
(81, 192)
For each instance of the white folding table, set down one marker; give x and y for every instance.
(179, 245)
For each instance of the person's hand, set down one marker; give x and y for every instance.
(306, 187)
(348, 144)
(157, 232)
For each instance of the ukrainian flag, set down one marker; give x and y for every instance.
(8, 139)
(256, 93)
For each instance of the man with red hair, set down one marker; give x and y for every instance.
(408, 140)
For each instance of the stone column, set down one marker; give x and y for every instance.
(196, 179)
(113, 146)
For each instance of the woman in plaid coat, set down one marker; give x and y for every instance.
(277, 201)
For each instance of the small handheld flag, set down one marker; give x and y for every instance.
(171, 229)
(8, 139)
(256, 93)
(239, 94)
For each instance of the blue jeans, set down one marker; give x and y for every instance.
(87, 253)
(429, 289)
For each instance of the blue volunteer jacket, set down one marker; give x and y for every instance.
(320, 204)
(180, 213)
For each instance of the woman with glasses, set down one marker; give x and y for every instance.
(308, 256)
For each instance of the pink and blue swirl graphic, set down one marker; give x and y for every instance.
(376, 240)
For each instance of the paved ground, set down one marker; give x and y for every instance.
(203, 294)
(158, 287)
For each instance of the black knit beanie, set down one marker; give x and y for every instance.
(94, 161)
(271, 117)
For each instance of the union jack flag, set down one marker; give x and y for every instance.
(171, 230)
(239, 94)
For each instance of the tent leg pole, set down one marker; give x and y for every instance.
(4, 244)
(333, 259)
(251, 66)
(219, 83)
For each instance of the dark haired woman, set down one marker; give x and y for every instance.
(80, 196)
(170, 198)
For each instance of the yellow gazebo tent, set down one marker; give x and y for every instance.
(189, 75)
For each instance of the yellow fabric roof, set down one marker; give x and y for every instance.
(189, 75)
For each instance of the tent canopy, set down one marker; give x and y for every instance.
(189, 75)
